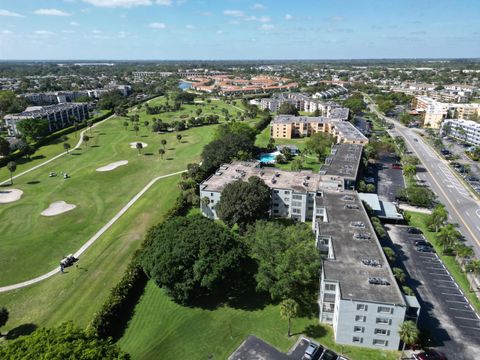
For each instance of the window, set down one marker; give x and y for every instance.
(383, 321)
(275, 211)
(358, 329)
(296, 203)
(296, 211)
(330, 287)
(297, 197)
(362, 307)
(275, 191)
(211, 194)
(381, 332)
(379, 342)
(357, 339)
(385, 310)
(360, 318)
(286, 192)
(286, 199)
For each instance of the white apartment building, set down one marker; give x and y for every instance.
(465, 130)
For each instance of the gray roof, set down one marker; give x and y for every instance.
(343, 161)
(347, 267)
(41, 111)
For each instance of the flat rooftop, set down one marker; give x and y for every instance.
(298, 181)
(344, 161)
(348, 131)
(39, 111)
(356, 250)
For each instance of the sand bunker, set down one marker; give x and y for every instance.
(57, 208)
(10, 195)
(133, 145)
(113, 165)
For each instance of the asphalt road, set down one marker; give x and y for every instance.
(446, 315)
(390, 180)
(463, 208)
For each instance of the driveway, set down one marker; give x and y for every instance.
(447, 318)
(256, 349)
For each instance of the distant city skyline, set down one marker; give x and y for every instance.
(238, 29)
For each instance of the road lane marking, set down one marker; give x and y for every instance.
(469, 327)
(455, 301)
(464, 318)
(451, 294)
(469, 310)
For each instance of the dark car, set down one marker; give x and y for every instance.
(413, 230)
(426, 249)
(397, 166)
(328, 355)
(471, 178)
(430, 355)
(422, 243)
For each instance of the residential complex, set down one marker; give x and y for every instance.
(305, 103)
(289, 126)
(359, 295)
(465, 130)
(228, 85)
(435, 112)
(58, 116)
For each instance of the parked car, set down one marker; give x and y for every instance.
(397, 166)
(422, 243)
(413, 230)
(370, 180)
(426, 249)
(430, 355)
(415, 139)
(471, 178)
(328, 355)
(312, 350)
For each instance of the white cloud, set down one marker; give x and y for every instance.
(118, 3)
(101, 37)
(68, 31)
(206, 13)
(44, 33)
(96, 31)
(122, 34)
(288, 17)
(164, 2)
(234, 13)
(262, 19)
(258, 6)
(6, 32)
(51, 12)
(219, 32)
(74, 23)
(189, 27)
(157, 25)
(4, 12)
(267, 27)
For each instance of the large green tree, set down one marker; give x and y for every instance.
(438, 216)
(193, 256)
(243, 202)
(447, 236)
(288, 261)
(4, 147)
(33, 128)
(408, 333)
(10, 103)
(287, 109)
(59, 343)
(320, 144)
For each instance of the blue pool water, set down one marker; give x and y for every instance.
(268, 157)
(184, 85)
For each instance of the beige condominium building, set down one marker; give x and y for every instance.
(289, 126)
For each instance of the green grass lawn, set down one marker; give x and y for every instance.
(162, 329)
(78, 294)
(419, 220)
(33, 244)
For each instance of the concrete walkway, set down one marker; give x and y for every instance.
(92, 240)
(56, 156)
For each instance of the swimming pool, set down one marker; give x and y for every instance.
(268, 158)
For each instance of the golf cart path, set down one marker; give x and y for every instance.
(59, 155)
(92, 240)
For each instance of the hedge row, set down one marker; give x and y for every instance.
(112, 318)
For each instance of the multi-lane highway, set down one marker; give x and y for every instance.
(463, 207)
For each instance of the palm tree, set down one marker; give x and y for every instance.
(289, 309)
(139, 147)
(136, 128)
(463, 252)
(473, 266)
(163, 142)
(11, 166)
(146, 123)
(86, 139)
(161, 152)
(125, 125)
(408, 333)
(179, 137)
(66, 146)
(448, 236)
(438, 217)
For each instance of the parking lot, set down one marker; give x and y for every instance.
(389, 180)
(446, 316)
(255, 348)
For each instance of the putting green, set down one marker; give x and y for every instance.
(33, 244)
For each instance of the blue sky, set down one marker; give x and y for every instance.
(238, 29)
